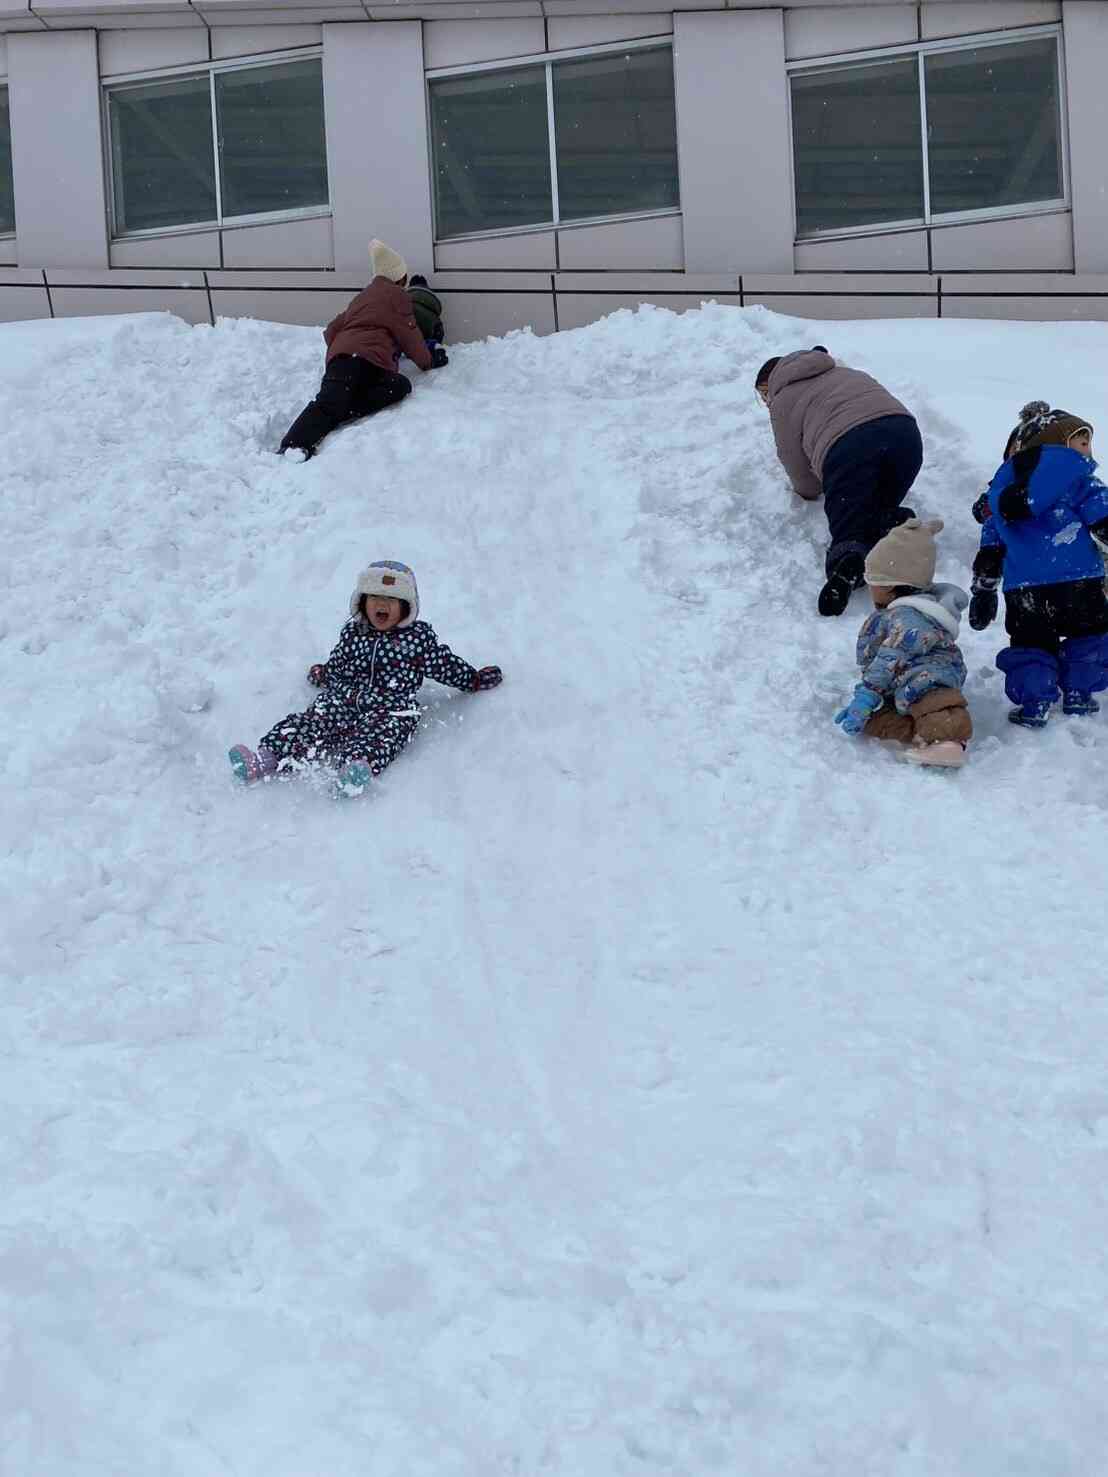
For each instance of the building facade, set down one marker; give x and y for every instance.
(546, 161)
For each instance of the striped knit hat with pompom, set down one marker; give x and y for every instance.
(1041, 426)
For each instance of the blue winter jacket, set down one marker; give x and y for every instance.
(911, 646)
(1054, 545)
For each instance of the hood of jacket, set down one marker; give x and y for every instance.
(1055, 472)
(804, 364)
(943, 604)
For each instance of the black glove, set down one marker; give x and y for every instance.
(982, 607)
(1013, 505)
(487, 677)
(438, 357)
(981, 509)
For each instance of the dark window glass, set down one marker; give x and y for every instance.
(491, 151)
(856, 141)
(162, 160)
(993, 129)
(616, 134)
(7, 195)
(271, 139)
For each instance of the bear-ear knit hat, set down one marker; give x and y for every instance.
(1041, 426)
(389, 578)
(386, 262)
(906, 556)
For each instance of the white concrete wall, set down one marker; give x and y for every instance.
(378, 158)
(733, 141)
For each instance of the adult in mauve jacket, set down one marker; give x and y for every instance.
(842, 436)
(364, 345)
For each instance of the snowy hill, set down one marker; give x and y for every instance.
(648, 1079)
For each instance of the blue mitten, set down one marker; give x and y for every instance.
(861, 708)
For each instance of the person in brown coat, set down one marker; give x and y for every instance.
(841, 435)
(364, 345)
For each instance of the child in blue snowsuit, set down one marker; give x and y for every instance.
(1044, 505)
(912, 668)
(366, 713)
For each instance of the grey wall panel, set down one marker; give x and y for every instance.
(963, 18)
(1046, 309)
(595, 30)
(903, 251)
(644, 245)
(453, 43)
(575, 309)
(1034, 243)
(21, 304)
(248, 40)
(137, 50)
(93, 302)
(377, 147)
(304, 243)
(56, 150)
(198, 249)
(9, 252)
(1086, 45)
(875, 305)
(736, 198)
(827, 29)
(98, 14)
(528, 252)
(308, 308)
(476, 315)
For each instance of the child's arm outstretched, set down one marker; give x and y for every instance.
(440, 663)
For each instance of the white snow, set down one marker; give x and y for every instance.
(648, 1079)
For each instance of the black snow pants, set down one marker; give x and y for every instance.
(351, 388)
(866, 476)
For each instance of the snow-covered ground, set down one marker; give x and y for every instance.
(648, 1079)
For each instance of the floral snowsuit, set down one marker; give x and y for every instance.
(367, 709)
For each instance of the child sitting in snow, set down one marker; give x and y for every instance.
(1044, 505)
(366, 713)
(912, 669)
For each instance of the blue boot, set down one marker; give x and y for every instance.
(1030, 715)
(352, 780)
(1079, 704)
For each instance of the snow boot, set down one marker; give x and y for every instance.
(844, 579)
(352, 780)
(1030, 715)
(249, 767)
(942, 754)
(1079, 704)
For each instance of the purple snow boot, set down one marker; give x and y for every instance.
(249, 767)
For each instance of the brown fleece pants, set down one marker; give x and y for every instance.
(940, 714)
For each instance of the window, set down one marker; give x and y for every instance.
(567, 140)
(218, 145)
(7, 194)
(933, 133)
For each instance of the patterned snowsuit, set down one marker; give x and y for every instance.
(909, 653)
(367, 709)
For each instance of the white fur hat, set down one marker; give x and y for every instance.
(386, 262)
(389, 578)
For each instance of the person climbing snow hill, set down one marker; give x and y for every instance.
(841, 435)
(1043, 508)
(364, 345)
(366, 713)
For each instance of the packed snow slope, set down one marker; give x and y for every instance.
(647, 1078)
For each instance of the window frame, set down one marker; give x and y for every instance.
(219, 222)
(547, 60)
(4, 87)
(814, 66)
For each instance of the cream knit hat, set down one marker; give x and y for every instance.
(906, 556)
(390, 578)
(386, 262)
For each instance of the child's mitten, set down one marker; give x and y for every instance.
(983, 604)
(982, 509)
(439, 359)
(317, 674)
(861, 708)
(487, 677)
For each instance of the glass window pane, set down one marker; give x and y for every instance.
(7, 197)
(272, 148)
(857, 146)
(993, 131)
(491, 151)
(163, 166)
(616, 134)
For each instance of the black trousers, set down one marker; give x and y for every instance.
(351, 388)
(866, 476)
(1043, 616)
